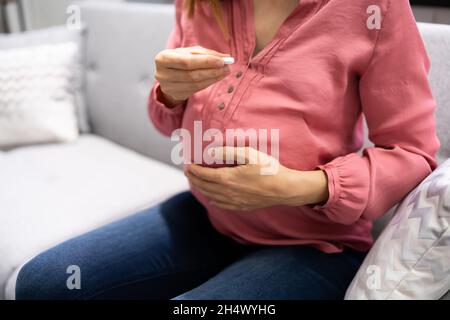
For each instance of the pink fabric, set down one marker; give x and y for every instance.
(321, 72)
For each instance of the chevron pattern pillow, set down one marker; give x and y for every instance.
(411, 258)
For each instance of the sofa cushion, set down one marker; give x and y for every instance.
(54, 192)
(411, 258)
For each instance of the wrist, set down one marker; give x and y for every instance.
(305, 188)
(166, 99)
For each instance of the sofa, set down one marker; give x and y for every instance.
(49, 193)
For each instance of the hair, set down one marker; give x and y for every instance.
(216, 9)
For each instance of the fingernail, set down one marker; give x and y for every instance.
(220, 63)
(228, 60)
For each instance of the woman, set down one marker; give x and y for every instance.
(308, 69)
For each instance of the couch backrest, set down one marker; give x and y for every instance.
(437, 41)
(122, 40)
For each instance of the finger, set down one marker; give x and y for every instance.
(239, 155)
(176, 76)
(226, 206)
(185, 61)
(208, 186)
(186, 89)
(204, 173)
(189, 87)
(201, 50)
(214, 196)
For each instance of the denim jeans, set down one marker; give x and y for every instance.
(171, 251)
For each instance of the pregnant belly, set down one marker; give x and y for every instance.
(282, 225)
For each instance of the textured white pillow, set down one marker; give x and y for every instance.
(37, 94)
(55, 35)
(411, 258)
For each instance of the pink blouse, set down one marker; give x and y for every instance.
(323, 70)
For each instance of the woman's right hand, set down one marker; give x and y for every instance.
(182, 72)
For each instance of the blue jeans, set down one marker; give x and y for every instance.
(172, 251)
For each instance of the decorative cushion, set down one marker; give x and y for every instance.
(411, 258)
(41, 86)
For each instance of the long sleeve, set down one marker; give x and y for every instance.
(399, 108)
(165, 119)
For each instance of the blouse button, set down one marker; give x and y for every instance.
(230, 89)
(239, 74)
(221, 106)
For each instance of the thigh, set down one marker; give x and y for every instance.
(282, 273)
(154, 254)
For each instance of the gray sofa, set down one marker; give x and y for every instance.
(54, 192)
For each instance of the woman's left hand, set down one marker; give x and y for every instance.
(258, 181)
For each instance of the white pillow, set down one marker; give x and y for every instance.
(36, 96)
(40, 85)
(55, 35)
(411, 258)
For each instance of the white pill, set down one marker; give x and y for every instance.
(228, 60)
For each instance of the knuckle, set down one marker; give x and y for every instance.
(242, 202)
(164, 88)
(226, 177)
(185, 63)
(222, 178)
(161, 57)
(158, 58)
(194, 76)
(210, 61)
(160, 77)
